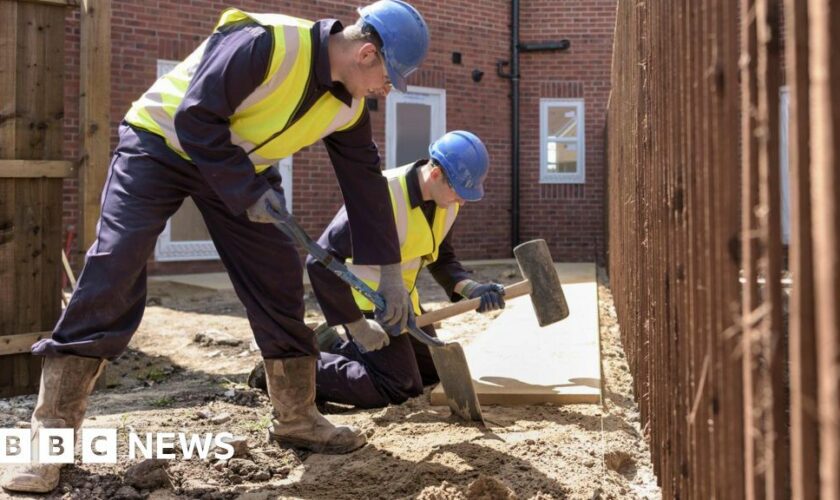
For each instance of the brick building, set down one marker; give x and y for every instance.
(562, 171)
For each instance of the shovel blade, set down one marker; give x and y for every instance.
(454, 374)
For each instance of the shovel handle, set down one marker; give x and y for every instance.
(291, 228)
(511, 292)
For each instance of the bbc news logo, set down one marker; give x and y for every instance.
(99, 446)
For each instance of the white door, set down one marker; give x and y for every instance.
(413, 120)
(185, 236)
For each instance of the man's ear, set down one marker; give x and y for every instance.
(367, 53)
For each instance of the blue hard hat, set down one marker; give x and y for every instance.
(404, 35)
(465, 161)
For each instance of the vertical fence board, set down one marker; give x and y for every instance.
(31, 93)
(695, 244)
(824, 18)
(803, 364)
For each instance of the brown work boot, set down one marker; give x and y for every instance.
(66, 383)
(297, 422)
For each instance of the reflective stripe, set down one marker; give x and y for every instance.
(166, 123)
(450, 220)
(291, 44)
(367, 273)
(266, 111)
(419, 240)
(412, 265)
(401, 215)
(345, 118)
(256, 158)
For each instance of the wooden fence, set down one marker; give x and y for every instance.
(32, 40)
(736, 398)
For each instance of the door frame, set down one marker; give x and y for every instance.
(435, 97)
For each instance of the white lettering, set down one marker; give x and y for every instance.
(195, 443)
(166, 445)
(221, 441)
(55, 446)
(15, 446)
(134, 442)
(99, 446)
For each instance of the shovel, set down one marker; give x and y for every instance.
(449, 359)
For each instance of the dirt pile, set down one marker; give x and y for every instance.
(168, 383)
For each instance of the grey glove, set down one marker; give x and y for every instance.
(492, 295)
(368, 334)
(270, 208)
(397, 304)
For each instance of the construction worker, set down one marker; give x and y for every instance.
(373, 369)
(260, 88)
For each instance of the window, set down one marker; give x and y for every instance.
(413, 120)
(562, 146)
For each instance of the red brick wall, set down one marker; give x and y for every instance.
(569, 216)
(570, 219)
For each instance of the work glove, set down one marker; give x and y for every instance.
(492, 295)
(270, 208)
(396, 329)
(368, 334)
(397, 304)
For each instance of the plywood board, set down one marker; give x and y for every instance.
(516, 362)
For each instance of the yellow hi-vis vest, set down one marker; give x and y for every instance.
(268, 109)
(419, 241)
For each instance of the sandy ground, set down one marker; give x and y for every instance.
(169, 382)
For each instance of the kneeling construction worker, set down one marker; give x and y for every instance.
(260, 88)
(373, 369)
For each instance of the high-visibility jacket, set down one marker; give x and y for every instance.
(419, 240)
(260, 124)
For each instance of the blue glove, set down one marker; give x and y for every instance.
(269, 208)
(492, 295)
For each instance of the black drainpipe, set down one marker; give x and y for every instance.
(513, 76)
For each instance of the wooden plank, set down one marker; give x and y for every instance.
(824, 16)
(36, 168)
(515, 362)
(729, 293)
(804, 438)
(8, 84)
(20, 342)
(754, 486)
(94, 119)
(773, 340)
(68, 270)
(31, 128)
(40, 72)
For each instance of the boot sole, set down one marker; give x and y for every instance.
(29, 483)
(325, 449)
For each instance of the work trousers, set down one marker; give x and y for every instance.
(146, 185)
(376, 379)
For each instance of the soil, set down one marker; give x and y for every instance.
(186, 371)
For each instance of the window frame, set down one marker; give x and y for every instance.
(579, 176)
(434, 97)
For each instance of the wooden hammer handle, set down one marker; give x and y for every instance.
(512, 291)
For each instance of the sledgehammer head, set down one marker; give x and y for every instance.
(546, 294)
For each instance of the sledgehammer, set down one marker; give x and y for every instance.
(541, 282)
